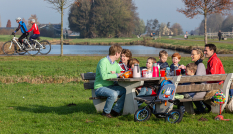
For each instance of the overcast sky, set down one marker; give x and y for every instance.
(163, 10)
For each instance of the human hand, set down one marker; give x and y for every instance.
(182, 66)
(113, 72)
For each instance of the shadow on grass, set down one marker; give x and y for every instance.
(87, 108)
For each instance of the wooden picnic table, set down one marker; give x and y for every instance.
(130, 84)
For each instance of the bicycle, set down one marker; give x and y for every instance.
(13, 46)
(44, 47)
(173, 116)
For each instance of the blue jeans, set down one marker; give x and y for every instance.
(144, 92)
(34, 36)
(112, 92)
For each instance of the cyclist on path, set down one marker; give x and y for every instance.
(36, 32)
(23, 29)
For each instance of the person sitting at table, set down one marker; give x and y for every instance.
(147, 89)
(108, 68)
(197, 56)
(163, 60)
(175, 63)
(126, 55)
(132, 62)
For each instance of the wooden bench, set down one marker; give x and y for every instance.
(227, 78)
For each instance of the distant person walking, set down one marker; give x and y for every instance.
(219, 35)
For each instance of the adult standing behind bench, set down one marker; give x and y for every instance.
(219, 35)
(108, 68)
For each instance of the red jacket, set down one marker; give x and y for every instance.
(214, 66)
(35, 29)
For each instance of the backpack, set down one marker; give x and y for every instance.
(167, 90)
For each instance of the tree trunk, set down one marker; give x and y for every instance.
(205, 27)
(62, 29)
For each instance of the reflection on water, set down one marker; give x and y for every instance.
(96, 49)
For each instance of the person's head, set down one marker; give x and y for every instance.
(150, 62)
(132, 62)
(126, 55)
(210, 49)
(176, 58)
(18, 19)
(197, 54)
(163, 56)
(191, 69)
(115, 50)
(33, 21)
(219, 30)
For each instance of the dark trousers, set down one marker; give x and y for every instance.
(219, 38)
(200, 107)
(34, 36)
(22, 37)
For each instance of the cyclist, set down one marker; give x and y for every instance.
(23, 29)
(36, 32)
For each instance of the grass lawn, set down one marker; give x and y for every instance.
(43, 108)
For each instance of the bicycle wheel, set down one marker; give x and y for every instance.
(142, 114)
(34, 50)
(8, 48)
(45, 47)
(175, 116)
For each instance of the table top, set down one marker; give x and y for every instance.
(195, 78)
(138, 79)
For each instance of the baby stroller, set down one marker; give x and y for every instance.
(166, 94)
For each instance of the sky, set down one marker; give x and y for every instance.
(162, 10)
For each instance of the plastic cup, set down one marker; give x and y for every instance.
(162, 73)
(144, 72)
(178, 72)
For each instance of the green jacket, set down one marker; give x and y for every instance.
(103, 73)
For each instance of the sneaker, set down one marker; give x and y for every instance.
(114, 113)
(107, 115)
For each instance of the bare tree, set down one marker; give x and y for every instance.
(206, 7)
(33, 16)
(60, 6)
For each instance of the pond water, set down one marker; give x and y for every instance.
(97, 49)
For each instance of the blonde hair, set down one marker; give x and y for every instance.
(163, 53)
(192, 66)
(200, 52)
(133, 61)
(115, 49)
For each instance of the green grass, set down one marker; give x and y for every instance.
(106, 40)
(4, 38)
(42, 108)
(220, 45)
(69, 65)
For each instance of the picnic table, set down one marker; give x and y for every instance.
(130, 84)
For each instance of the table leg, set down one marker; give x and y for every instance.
(130, 105)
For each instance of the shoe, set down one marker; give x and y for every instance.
(107, 115)
(114, 113)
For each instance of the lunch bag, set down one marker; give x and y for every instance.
(167, 90)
